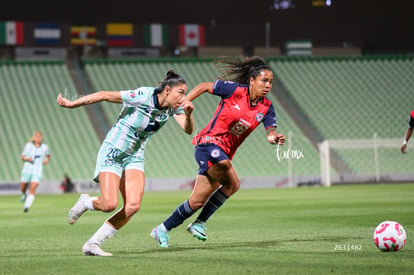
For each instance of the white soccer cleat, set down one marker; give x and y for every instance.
(90, 249)
(78, 209)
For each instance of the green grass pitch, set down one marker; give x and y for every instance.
(261, 231)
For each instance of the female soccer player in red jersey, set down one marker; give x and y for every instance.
(242, 108)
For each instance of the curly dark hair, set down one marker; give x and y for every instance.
(241, 69)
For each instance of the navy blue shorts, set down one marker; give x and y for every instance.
(206, 155)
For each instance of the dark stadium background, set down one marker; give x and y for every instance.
(373, 26)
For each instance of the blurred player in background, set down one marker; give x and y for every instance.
(409, 132)
(67, 184)
(242, 108)
(35, 154)
(120, 161)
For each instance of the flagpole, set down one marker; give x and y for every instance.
(267, 38)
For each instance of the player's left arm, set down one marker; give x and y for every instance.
(185, 120)
(46, 161)
(199, 90)
(47, 155)
(270, 124)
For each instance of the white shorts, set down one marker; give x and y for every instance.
(110, 159)
(27, 177)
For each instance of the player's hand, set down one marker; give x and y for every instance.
(188, 107)
(277, 139)
(403, 147)
(64, 102)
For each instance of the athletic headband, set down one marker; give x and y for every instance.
(254, 70)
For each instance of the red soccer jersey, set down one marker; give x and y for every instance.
(235, 118)
(411, 120)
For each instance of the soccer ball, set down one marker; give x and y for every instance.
(390, 236)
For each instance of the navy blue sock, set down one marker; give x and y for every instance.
(214, 202)
(180, 214)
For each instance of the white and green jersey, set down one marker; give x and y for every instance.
(138, 120)
(38, 155)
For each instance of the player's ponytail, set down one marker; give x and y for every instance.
(171, 79)
(240, 70)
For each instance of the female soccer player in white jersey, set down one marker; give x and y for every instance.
(35, 154)
(120, 161)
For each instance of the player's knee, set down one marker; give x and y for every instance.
(232, 187)
(132, 209)
(109, 206)
(196, 204)
(236, 187)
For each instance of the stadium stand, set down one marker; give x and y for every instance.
(341, 98)
(28, 103)
(351, 98)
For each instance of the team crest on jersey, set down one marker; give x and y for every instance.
(215, 153)
(240, 127)
(259, 117)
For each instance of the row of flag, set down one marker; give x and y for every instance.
(117, 34)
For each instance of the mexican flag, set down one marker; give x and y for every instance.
(11, 33)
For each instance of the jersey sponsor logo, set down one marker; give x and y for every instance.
(209, 140)
(148, 109)
(163, 116)
(259, 117)
(240, 127)
(132, 94)
(152, 126)
(236, 106)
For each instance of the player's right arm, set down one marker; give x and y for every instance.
(110, 96)
(26, 154)
(26, 158)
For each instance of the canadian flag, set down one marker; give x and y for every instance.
(191, 35)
